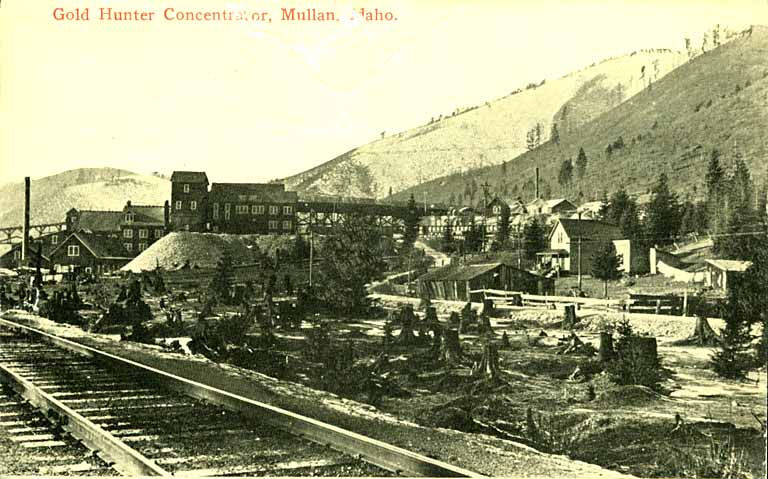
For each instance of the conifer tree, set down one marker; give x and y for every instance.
(411, 223)
(663, 213)
(581, 163)
(605, 265)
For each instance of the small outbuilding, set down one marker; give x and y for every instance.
(454, 282)
(720, 270)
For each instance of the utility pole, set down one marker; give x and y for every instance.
(579, 251)
(485, 187)
(311, 246)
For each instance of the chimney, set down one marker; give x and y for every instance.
(166, 214)
(25, 232)
(537, 182)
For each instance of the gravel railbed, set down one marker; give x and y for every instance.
(185, 435)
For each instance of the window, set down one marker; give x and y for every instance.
(129, 217)
(193, 205)
(158, 234)
(73, 250)
(127, 233)
(257, 209)
(273, 210)
(128, 246)
(142, 246)
(287, 210)
(241, 209)
(143, 233)
(178, 205)
(88, 269)
(215, 211)
(226, 211)
(286, 225)
(273, 225)
(186, 187)
(54, 239)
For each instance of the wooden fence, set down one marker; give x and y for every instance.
(637, 303)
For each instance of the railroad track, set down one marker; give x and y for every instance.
(104, 413)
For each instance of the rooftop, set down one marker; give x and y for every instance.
(189, 177)
(589, 229)
(104, 221)
(730, 265)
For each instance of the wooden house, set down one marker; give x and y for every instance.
(455, 282)
(89, 252)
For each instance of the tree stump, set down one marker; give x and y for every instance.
(407, 318)
(488, 366)
(570, 319)
(488, 307)
(605, 349)
(703, 334)
(450, 350)
(485, 328)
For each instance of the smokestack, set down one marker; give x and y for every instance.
(537, 182)
(166, 214)
(25, 231)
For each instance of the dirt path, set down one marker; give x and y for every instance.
(441, 259)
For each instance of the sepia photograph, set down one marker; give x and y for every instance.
(380, 238)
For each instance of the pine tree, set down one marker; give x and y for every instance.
(502, 233)
(663, 213)
(411, 223)
(447, 242)
(630, 223)
(533, 237)
(739, 222)
(555, 134)
(581, 163)
(746, 306)
(605, 265)
(566, 173)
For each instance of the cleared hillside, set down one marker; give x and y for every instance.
(488, 134)
(85, 188)
(717, 101)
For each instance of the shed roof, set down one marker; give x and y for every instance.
(459, 273)
(730, 265)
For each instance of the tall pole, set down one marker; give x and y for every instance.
(579, 250)
(311, 246)
(25, 233)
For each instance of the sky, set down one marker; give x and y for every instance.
(255, 101)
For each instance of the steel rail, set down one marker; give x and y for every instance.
(387, 456)
(122, 457)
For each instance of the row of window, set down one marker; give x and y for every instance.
(274, 210)
(143, 233)
(192, 205)
(273, 226)
(129, 246)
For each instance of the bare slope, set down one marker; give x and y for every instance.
(486, 135)
(85, 188)
(718, 100)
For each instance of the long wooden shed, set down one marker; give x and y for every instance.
(456, 281)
